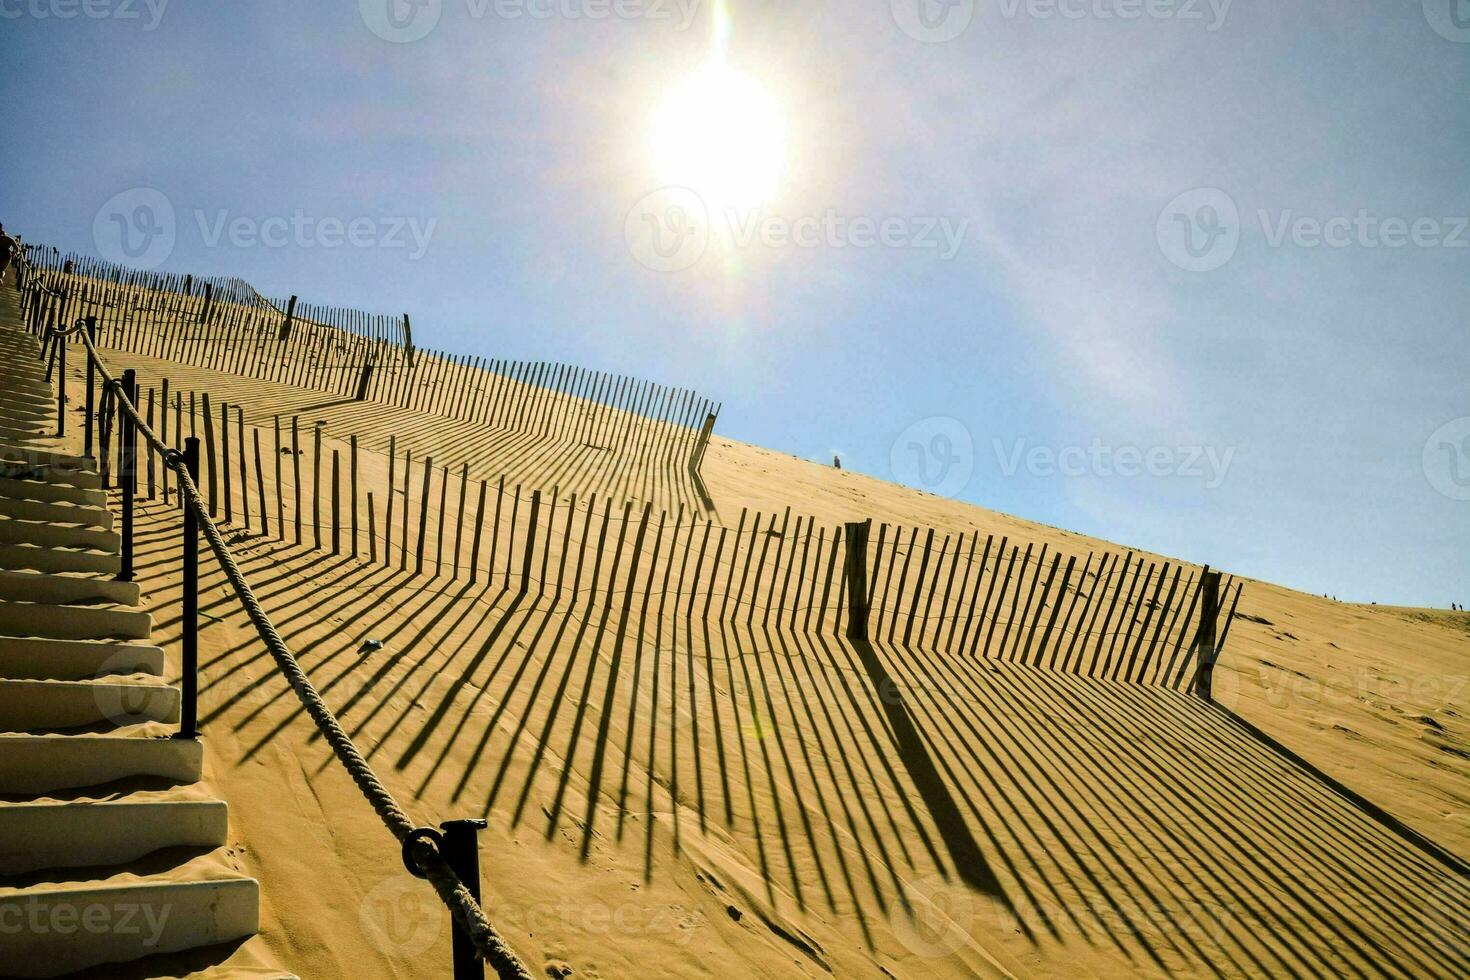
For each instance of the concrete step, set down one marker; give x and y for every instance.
(22, 470)
(127, 917)
(46, 457)
(19, 556)
(29, 658)
(73, 622)
(58, 536)
(24, 431)
(27, 404)
(26, 407)
(32, 764)
(55, 513)
(37, 706)
(95, 834)
(63, 589)
(53, 493)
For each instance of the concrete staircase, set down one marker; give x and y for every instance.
(109, 852)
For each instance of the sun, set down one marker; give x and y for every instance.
(723, 136)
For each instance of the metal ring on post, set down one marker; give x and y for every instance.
(414, 836)
(173, 459)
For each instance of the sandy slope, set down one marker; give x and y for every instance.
(673, 798)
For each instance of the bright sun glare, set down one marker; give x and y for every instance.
(723, 136)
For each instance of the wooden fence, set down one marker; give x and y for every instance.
(1107, 616)
(225, 325)
(1104, 615)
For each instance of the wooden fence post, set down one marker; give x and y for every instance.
(857, 580)
(296, 473)
(418, 568)
(388, 515)
(1204, 637)
(531, 543)
(208, 447)
(224, 455)
(265, 524)
(353, 490)
(244, 472)
(696, 455)
(316, 486)
(336, 503)
(285, 333)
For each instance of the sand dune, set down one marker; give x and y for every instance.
(675, 795)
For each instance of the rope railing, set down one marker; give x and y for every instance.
(421, 845)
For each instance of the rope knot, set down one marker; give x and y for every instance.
(415, 837)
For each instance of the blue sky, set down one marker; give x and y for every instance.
(1178, 233)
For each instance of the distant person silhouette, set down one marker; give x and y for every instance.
(8, 247)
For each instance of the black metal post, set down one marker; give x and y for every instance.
(189, 627)
(127, 478)
(89, 421)
(461, 850)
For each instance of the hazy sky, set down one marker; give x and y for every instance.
(1191, 276)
